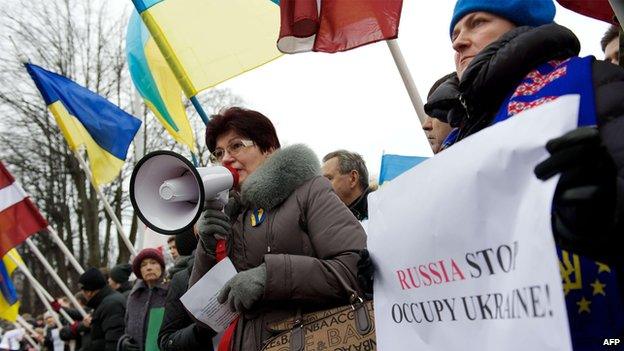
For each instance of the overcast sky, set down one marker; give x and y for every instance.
(356, 100)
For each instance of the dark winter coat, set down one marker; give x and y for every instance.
(76, 330)
(107, 320)
(359, 206)
(471, 104)
(179, 332)
(125, 289)
(181, 264)
(140, 301)
(307, 228)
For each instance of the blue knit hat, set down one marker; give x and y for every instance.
(521, 12)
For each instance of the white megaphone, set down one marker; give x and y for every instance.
(168, 192)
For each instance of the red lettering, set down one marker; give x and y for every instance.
(435, 273)
(444, 271)
(409, 271)
(456, 271)
(402, 281)
(425, 276)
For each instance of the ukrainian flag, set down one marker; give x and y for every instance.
(206, 42)
(89, 120)
(156, 83)
(9, 303)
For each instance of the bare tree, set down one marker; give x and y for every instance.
(84, 41)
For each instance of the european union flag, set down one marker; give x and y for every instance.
(87, 119)
(593, 300)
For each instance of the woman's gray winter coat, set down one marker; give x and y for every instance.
(306, 229)
(140, 301)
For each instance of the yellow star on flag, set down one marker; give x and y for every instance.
(583, 305)
(603, 267)
(598, 287)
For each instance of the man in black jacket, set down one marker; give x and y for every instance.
(118, 279)
(179, 331)
(348, 176)
(109, 307)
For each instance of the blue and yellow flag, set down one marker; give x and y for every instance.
(156, 83)
(206, 42)
(87, 119)
(393, 166)
(9, 303)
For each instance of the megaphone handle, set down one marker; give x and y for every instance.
(221, 250)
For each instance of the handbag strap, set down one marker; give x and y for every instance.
(363, 320)
(354, 297)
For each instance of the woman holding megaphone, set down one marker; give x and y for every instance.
(283, 225)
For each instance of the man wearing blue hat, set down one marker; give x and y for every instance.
(510, 56)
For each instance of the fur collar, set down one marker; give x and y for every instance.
(279, 176)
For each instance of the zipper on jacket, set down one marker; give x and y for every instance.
(462, 101)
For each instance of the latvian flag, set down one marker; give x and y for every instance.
(19, 218)
(336, 25)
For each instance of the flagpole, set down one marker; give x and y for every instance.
(55, 276)
(139, 152)
(199, 109)
(65, 250)
(38, 289)
(26, 336)
(408, 81)
(107, 206)
(618, 10)
(43, 294)
(31, 341)
(25, 324)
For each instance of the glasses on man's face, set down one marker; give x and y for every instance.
(233, 148)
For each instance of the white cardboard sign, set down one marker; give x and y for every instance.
(463, 244)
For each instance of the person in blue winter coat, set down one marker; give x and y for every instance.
(510, 56)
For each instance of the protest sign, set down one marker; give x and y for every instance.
(463, 246)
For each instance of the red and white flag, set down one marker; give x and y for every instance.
(19, 218)
(336, 25)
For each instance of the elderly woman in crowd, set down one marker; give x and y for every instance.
(147, 295)
(509, 57)
(286, 231)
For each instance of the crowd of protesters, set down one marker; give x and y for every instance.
(292, 226)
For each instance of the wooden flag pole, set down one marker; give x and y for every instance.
(140, 140)
(55, 276)
(29, 329)
(65, 250)
(412, 91)
(107, 207)
(43, 294)
(25, 324)
(38, 289)
(31, 341)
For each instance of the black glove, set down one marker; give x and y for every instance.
(366, 273)
(128, 344)
(585, 199)
(213, 225)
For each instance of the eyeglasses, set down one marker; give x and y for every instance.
(233, 148)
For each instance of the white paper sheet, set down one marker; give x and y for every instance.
(201, 299)
(463, 244)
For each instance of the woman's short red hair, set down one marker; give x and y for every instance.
(247, 123)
